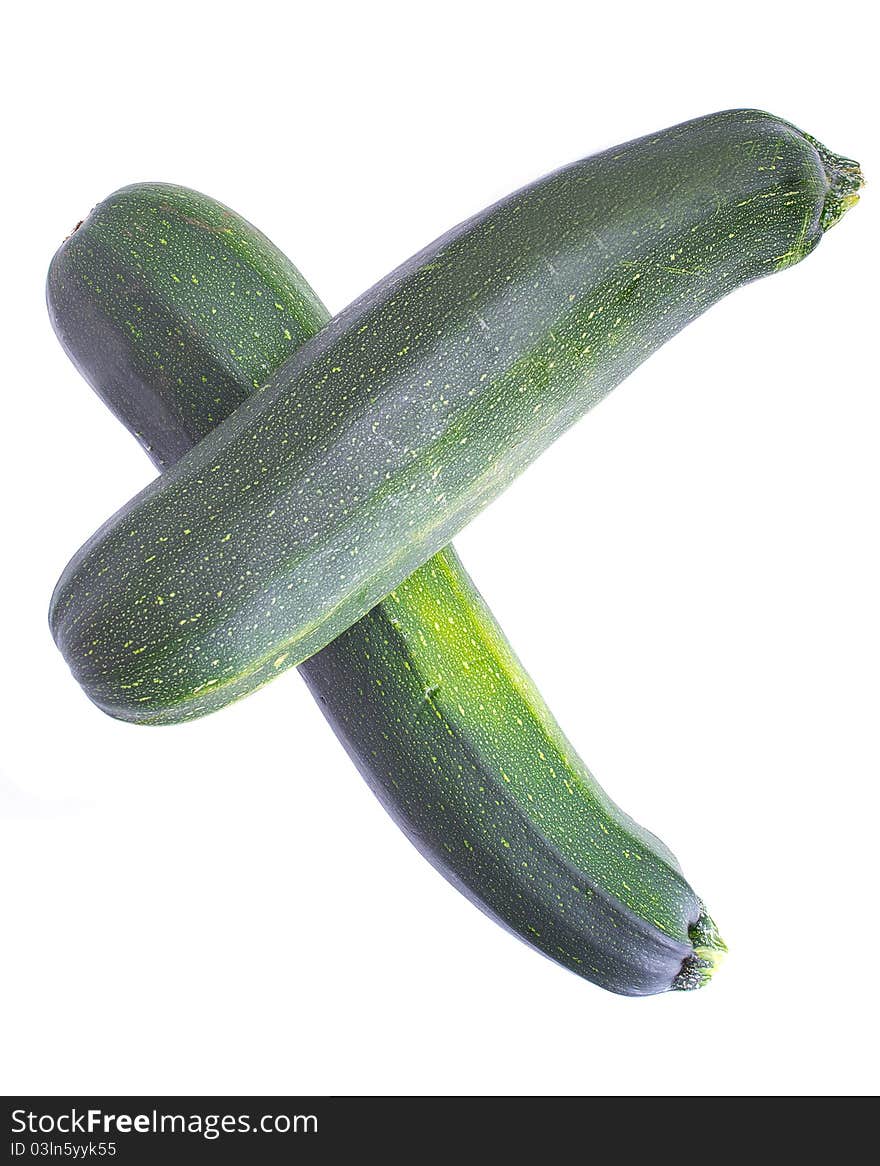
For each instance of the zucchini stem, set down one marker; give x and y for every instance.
(845, 179)
(709, 950)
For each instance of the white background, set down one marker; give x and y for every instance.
(691, 575)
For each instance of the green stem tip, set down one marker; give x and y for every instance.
(845, 179)
(709, 950)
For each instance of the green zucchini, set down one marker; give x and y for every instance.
(384, 434)
(424, 692)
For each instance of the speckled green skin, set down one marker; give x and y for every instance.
(384, 434)
(455, 740)
(424, 691)
(402, 418)
(172, 357)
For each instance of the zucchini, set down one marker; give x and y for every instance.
(386, 432)
(426, 695)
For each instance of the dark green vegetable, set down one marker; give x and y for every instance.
(414, 407)
(425, 693)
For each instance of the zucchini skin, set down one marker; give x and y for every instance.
(386, 432)
(452, 736)
(424, 691)
(171, 358)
